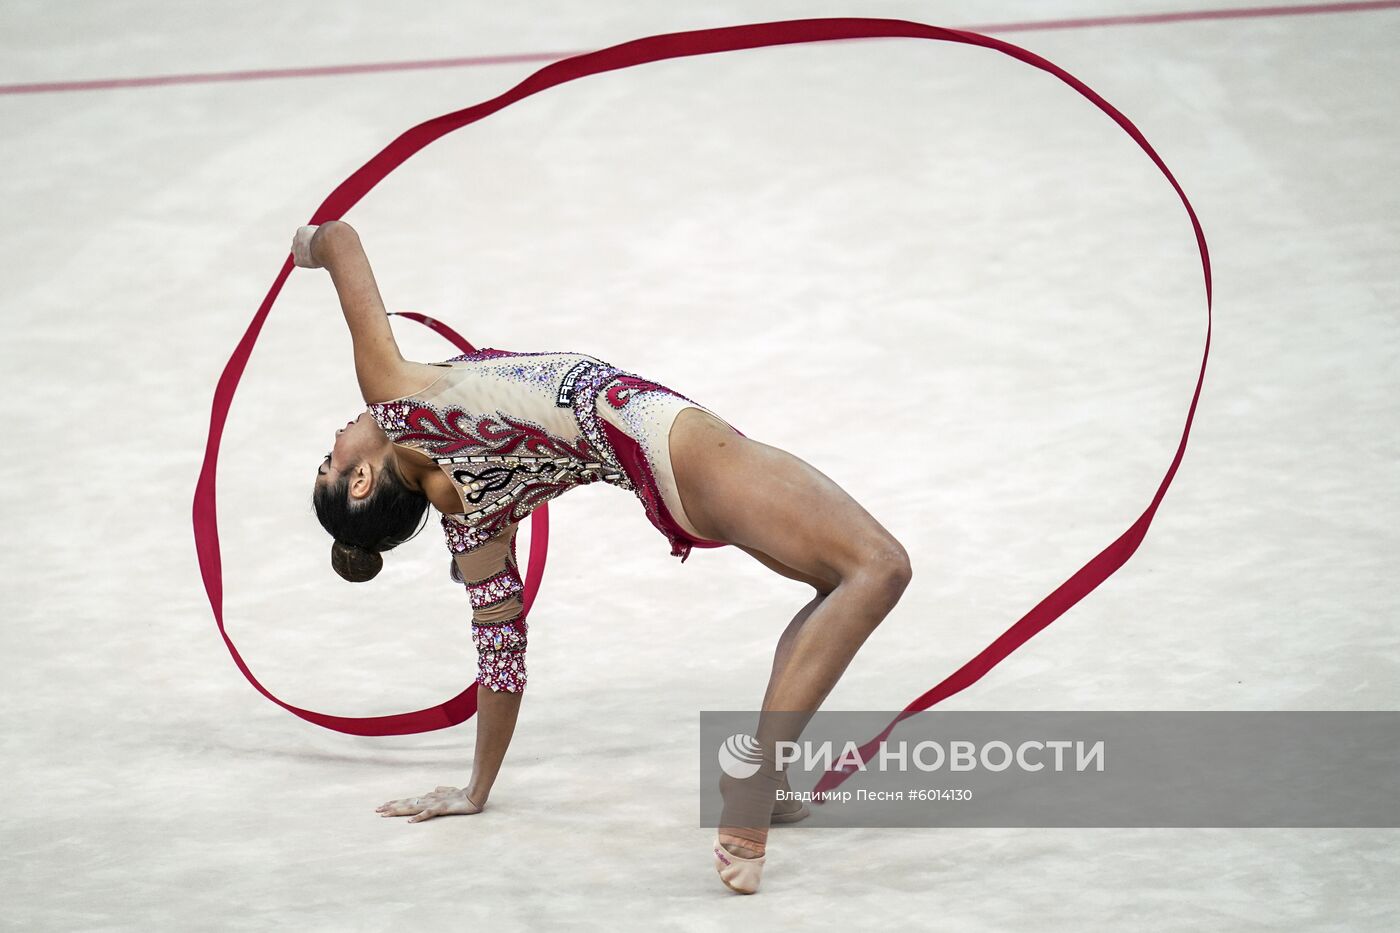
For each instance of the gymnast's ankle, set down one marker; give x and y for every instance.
(738, 840)
(748, 808)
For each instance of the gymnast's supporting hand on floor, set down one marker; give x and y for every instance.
(495, 723)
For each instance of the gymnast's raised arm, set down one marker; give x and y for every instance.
(382, 371)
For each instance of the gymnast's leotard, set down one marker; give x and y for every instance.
(514, 430)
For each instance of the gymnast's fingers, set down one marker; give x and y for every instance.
(428, 814)
(301, 247)
(401, 807)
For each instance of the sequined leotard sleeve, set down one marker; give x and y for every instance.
(488, 568)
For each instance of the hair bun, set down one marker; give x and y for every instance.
(355, 563)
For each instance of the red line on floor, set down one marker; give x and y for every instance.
(1144, 19)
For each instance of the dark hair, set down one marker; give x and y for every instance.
(390, 515)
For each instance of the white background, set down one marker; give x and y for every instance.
(935, 273)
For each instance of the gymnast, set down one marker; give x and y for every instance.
(487, 436)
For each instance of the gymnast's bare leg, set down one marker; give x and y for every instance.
(800, 523)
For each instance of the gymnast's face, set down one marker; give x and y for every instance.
(357, 453)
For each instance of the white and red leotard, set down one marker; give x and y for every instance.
(514, 430)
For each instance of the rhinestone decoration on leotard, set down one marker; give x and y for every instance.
(504, 466)
(462, 537)
(500, 650)
(448, 433)
(502, 672)
(620, 391)
(585, 405)
(500, 636)
(496, 589)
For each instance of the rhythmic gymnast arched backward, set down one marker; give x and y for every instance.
(486, 437)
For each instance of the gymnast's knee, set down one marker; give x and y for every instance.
(886, 571)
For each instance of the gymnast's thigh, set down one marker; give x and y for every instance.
(745, 492)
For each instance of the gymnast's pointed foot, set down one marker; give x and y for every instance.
(739, 865)
(740, 847)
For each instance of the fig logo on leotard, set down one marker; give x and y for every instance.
(740, 756)
(624, 387)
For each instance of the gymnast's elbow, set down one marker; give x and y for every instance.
(333, 241)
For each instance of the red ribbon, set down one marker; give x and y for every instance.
(627, 55)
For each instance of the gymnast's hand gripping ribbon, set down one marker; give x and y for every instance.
(626, 55)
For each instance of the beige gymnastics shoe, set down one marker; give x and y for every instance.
(740, 875)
